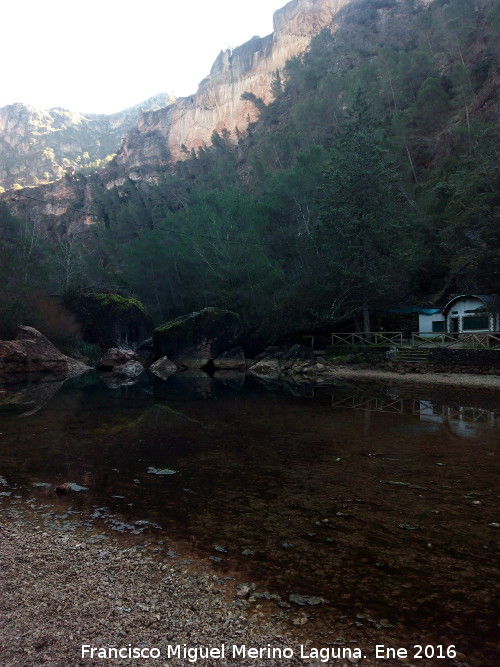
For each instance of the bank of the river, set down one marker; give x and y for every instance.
(466, 380)
(60, 593)
(456, 368)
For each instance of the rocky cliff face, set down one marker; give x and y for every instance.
(38, 146)
(162, 136)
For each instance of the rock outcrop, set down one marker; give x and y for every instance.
(198, 338)
(111, 320)
(163, 136)
(31, 352)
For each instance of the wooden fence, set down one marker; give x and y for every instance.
(370, 338)
(476, 341)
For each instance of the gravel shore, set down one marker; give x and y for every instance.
(465, 380)
(58, 593)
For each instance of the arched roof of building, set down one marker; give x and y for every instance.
(491, 301)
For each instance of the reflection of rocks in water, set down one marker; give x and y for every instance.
(187, 386)
(27, 399)
(123, 376)
(297, 389)
(115, 380)
(232, 379)
(231, 360)
(145, 383)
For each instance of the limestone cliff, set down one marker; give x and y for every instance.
(189, 122)
(38, 146)
(160, 135)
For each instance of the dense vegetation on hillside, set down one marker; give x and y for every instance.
(371, 181)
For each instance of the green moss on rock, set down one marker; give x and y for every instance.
(197, 338)
(191, 321)
(118, 303)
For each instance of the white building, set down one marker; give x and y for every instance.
(468, 313)
(472, 313)
(430, 322)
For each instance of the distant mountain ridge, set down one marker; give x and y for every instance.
(38, 146)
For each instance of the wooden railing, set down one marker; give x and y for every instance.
(476, 341)
(436, 340)
(370, 338)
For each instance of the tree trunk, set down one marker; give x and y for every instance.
(366, 317)
(364, 287)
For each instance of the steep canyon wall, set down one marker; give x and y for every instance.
(189, 122)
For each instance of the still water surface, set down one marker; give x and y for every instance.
(357, 509)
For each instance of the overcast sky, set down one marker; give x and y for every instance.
(102, 56)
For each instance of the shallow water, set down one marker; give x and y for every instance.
(358, 510)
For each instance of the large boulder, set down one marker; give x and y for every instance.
(233, 359)
(31, 352)
(196, 339)
(111, 320)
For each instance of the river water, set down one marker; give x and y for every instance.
(354, 510)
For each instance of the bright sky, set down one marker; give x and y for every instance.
(101, 56)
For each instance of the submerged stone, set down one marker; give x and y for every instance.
(161, 471)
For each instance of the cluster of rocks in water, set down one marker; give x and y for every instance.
(297, 360)
(206, 340)
(121, 366)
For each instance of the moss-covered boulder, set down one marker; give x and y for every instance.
(196, 339)
(111, 320)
